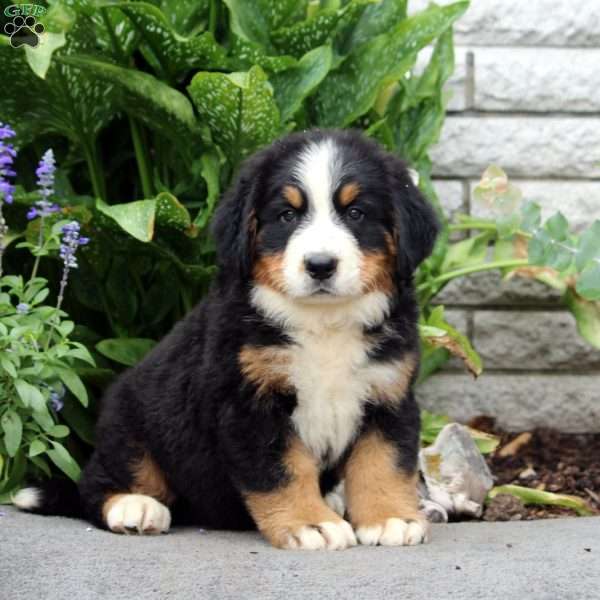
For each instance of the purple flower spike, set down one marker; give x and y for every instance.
(7, 156)
(22, 308)
(45, 174)
(70, 242)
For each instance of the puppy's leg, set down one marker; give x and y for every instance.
(129, 498)
(382, 495)
(294, 515)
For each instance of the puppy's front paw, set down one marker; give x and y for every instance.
(329, 535)
(137, 513)
(393, 532)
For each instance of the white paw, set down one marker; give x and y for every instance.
(328, 535)
(394, 532)
(138, 513)
(336, 499)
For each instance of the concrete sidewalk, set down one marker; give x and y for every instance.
(52, 558)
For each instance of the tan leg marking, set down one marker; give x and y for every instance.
(268, 270)
(266, 368)
(149, 479)
(382, 501)
(295, 515)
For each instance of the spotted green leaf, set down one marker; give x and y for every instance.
(299, 38)
(171, 214)
(294, 85)
(239, 109)
(169, 53)
(68, 102)
(39, 58)
(351, 90)
(244, 54)
(377, 19)
(210, 174)
(158, 105)
(136, 218)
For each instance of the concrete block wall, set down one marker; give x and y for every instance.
(526, 96)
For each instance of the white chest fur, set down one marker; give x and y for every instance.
(328, 372)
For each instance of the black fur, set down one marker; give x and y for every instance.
(187, 403)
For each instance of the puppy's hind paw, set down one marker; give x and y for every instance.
(136, 513)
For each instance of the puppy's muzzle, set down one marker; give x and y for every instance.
(320, 266)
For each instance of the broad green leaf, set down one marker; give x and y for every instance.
(210, 174)
(156, 104)
(247, 21)
(60, 456)
(239, 109)
(29, 394)
(121, 293)
(13, 431)
(186, 16)
(351, 90)
(294, 85)
(587, 315)
(126, 351)
(39, 57)
(136, 218)
(74, 384)
(36, 447)
(431, 425)
(377, 19)
(532, 496)
(41, 464)
(588, 282)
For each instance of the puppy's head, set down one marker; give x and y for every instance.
(322, 217)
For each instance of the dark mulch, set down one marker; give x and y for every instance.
(549, 460)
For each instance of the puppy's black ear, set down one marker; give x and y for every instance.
(234, 223)
(415, 223)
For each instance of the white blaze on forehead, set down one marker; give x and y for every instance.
(319, 171)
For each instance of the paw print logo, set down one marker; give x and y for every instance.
(24, 31)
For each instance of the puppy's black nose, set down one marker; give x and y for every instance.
(320, 266)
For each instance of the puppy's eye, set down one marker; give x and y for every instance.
(288, 216)
(355, 214)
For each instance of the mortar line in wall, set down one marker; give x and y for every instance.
(534, 114)
(550, 178)
(551, 371)
(496, 44)
(556, 308)
(469, 90)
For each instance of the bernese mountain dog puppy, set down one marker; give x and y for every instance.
(283, 400)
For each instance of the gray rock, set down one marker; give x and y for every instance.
(455, 473)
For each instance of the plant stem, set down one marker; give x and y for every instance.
(212, 16)
(141, 158)
(91, 158)
(138, 146)
(499, 264)
(36, 263)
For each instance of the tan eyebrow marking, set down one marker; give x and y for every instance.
(293, 196)
(348, 193)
